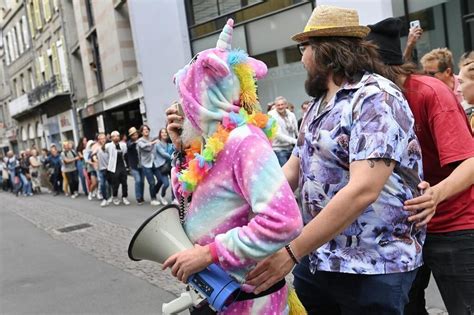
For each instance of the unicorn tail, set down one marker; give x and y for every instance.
(296, 307)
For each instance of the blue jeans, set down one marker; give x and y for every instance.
(334, 293)
(139, 183)
(80, 170)
(163, 183)
(150, 173)
(26, 184)
(283, 156)
(104, 186)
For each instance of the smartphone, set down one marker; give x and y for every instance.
(415, 23)
(178, 106)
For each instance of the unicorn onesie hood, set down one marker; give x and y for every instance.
(241, 205)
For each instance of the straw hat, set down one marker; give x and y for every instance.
(328, 20)
(131, 131)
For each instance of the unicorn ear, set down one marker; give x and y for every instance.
(258, 66)
(216, 65)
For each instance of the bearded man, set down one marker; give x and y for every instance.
(242, 208)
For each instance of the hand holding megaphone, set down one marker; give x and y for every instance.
(162, 239)
(188, 262)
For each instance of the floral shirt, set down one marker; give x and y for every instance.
(369, 119)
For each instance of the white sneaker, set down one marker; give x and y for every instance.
(94, 194)
(109, 201)
(104, 203)
(125, 201)
(155, 202)
(74, 196)
(99, 196)
(116, 201)
(163, 201)
(90, 196)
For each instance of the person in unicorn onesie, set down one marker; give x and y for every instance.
(242, 208)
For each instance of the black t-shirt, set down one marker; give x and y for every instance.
(132, 155)
(120, 161)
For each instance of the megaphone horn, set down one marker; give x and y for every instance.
(159, 237)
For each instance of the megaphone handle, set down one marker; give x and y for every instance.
(185, 301)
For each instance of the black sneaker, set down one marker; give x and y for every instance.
(140, 201)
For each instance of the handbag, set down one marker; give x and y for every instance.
(165, 168)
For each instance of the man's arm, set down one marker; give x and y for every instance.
(413, 35)
(459, 180)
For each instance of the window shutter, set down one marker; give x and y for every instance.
(56, 67)
(47, 68)
(26, 39)
(31, 21)
(7, 52)
(19, 33)
(39, 22)
(47, 10)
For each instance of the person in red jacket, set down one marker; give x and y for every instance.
(447, 147)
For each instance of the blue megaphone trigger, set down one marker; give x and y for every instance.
(216, 286)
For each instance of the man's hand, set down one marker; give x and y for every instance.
(424, 206)
(188, 262)
(414, 35)
(174, 125)
(269, 271)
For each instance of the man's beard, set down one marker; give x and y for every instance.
(189, 133)
(316, 85)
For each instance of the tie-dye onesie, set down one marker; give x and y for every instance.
(244, 208)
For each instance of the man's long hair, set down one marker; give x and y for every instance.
(347, 58)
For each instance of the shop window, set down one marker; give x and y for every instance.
(269, 58)
(291, 54)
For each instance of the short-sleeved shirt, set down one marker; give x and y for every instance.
(369, 119)
(446, 139)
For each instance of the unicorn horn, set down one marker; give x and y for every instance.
(225, 38)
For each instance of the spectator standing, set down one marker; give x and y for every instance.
(69, 158)
(54, 164)
(13, 167)
(116, 168)
(438, 63)
(134, 164)
(90, 161)
(25, 176)
(304, 109)
(35, 170)
(103, 162)
(81, 166)
(163, 163)
(287, 130)
(146, 152)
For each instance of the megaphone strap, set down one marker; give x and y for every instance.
(243, 296)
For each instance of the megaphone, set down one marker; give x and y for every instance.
(161, 236)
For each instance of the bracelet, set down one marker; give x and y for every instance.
(290, 252)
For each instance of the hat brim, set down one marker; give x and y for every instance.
(346, 31)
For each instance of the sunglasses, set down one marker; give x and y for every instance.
(302, 47)
(432, 73)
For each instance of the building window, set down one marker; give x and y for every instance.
(38, 17)
(32, 78)
(15, 88)
(270, 58)
(291, 54)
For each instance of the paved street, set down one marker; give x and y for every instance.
(43, 271)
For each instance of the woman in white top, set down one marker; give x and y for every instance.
(35, 171)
